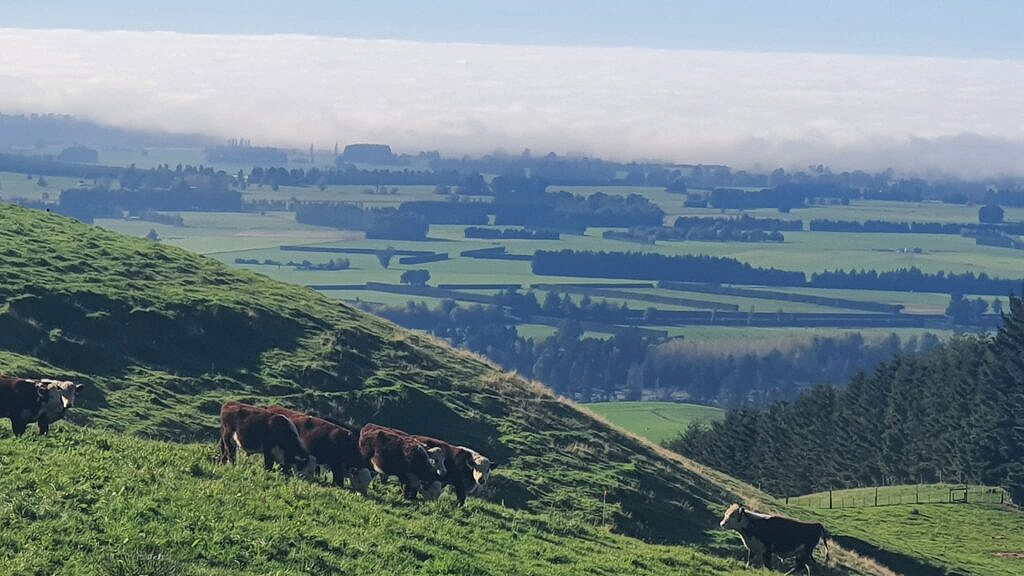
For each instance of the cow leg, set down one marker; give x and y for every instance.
(339, 473)
(18, 426)
(268, 460)
(227, 448)
(748, 557)
(767, 558)
(44, 425)
(460, 493)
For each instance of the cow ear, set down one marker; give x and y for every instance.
(78, 387)
(494, 465)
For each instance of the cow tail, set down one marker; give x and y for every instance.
(824, 540)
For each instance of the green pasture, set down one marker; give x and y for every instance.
(17, 185)
(656, 421)
(734, 338)
(85, 502)
(974, 539)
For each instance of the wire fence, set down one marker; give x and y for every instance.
(897, 495)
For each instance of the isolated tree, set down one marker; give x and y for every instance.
(152, 236)
(990, 214)
(415, 277)
(384, 256)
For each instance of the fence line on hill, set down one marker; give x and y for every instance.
(897, 495)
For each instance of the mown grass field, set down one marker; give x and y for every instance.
(87, 502)
(656, 421)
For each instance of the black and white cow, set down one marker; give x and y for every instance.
(42, 401)
(766, 535)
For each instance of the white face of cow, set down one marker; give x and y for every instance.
(480, 466)
(733, 519)
(436, 456)
(61, 393)
(361, 480)
(432, 491)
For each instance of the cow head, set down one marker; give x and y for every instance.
(479, 465)
(437, 457)
(432, 491)
(361, 479)
(734, 519)
(305, 464)
(56, 396)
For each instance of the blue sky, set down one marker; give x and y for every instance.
(948, 28)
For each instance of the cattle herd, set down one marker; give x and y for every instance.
(303, 443)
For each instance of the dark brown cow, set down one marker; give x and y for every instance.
(42, 401)
(255, 429)
(466, 469)
(392, 452)
(783, 537)
(334, 446)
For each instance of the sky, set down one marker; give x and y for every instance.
(915, 85)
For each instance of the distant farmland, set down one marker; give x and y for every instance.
(656, 421)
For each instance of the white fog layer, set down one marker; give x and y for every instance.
(743, 109)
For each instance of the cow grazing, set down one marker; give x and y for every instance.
(334, 446)
(767, 535)
(42, 401)
(466, 469)
(392, 452)
(255, 429)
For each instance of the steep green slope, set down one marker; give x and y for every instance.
(85, 502)
(162, 337)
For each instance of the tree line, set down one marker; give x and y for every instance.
(646, 266)
(950, 414)
(630, 365)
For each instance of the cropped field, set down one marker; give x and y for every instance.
(656, 421)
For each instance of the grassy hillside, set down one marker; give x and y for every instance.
(161, 337)
(935, 539)
(656, 421)
(86, 502)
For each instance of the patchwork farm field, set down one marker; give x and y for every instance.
(656, 421)
(261, 235)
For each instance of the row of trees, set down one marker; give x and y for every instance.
(950, 414)
(914, 280)
(646, 266)
(629, 365)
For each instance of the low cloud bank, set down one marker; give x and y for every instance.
(743, 109)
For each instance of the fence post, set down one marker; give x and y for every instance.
(876, 495)
(829, 497)
(787, 500)
(917, 494)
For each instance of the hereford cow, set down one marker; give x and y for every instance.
(43, 401)
(466, 469)
(783, 537)
(392, 452)
(255, 429)
(334, 446)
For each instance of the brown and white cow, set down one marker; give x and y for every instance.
(393, 452)
(466, 469)
(255, 429)
(766, 535)
(333, 445)
(42, 401)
